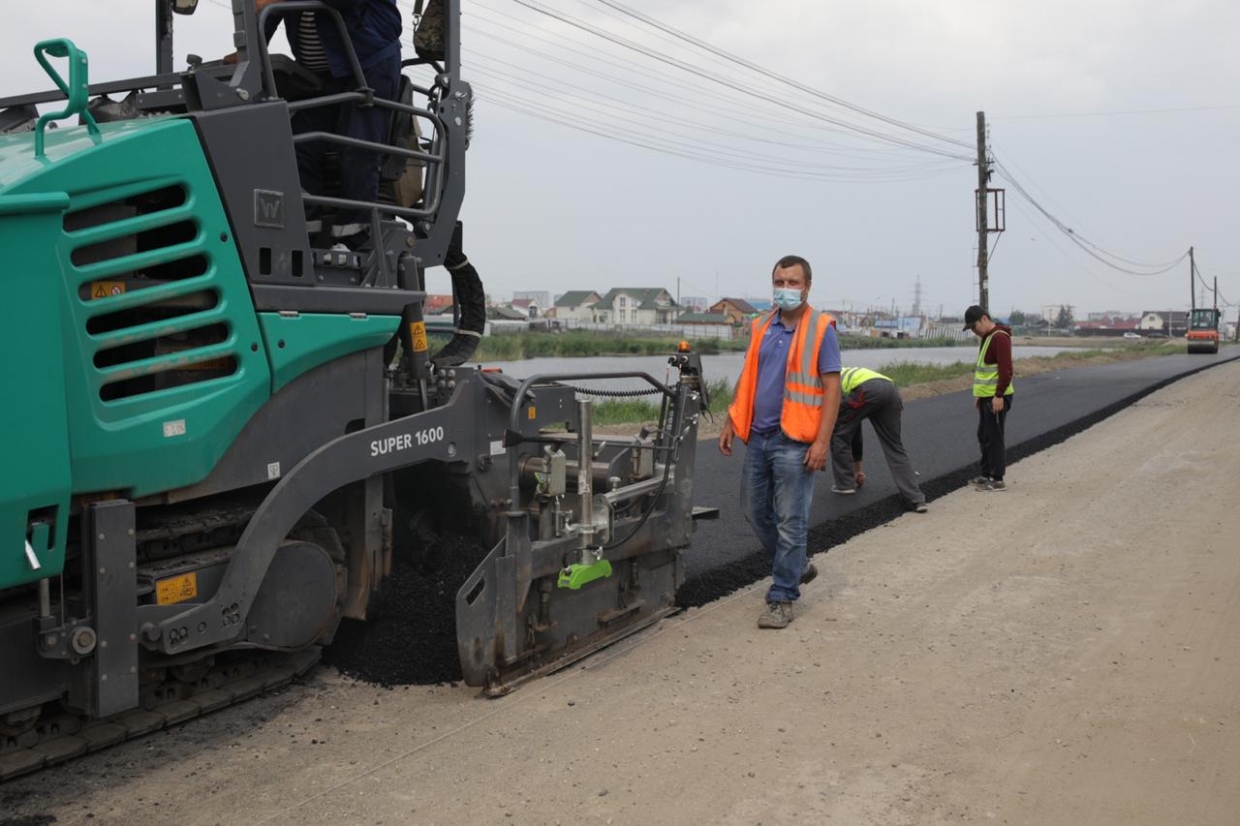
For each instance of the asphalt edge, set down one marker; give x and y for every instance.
(711, 585)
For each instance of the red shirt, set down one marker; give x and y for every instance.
(1000, 355)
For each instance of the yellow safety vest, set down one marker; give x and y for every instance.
(986, 376)
(853, 377)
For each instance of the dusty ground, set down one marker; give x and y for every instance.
(1063, 653)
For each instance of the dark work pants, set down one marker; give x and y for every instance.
(879, 401)
(359, 168)
(990, 437)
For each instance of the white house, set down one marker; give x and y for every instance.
(636, 305)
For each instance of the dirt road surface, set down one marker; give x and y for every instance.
(1062, 653)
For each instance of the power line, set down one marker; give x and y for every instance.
(809, 90)
(591, 100)
(731, 115)
(1121, 112)
(1092, 249)
(695, 70)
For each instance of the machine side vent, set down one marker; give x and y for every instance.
(151, 276)
(180, 232)
(151, 306)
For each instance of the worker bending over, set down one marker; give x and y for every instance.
(867, 394)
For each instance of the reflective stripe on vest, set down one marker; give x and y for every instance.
(853, 377)
(801, 413)
(986, 376)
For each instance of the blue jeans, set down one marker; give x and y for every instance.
(776, 491)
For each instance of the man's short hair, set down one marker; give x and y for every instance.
(792, 261)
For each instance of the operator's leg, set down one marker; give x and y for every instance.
(886, 421)
(758, 490)
(310, 156)
(794, 491)
(359, 168)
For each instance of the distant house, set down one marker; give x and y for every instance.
(540, 297)
(529, 306)
(1105, 326)
(694, 303)
(636, 305)
(576, 305)
(1168, 322)
(502, 313)
(437, 304)
(737, 310)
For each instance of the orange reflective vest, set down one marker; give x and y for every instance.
(801, 415)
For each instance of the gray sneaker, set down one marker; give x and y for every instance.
(920, 507)
(992, 485)
(979, 481)
(776, 615)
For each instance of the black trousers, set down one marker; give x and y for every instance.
(990, 437)
(359, 168)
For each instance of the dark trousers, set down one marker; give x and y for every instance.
(359, 168)
(879, 401)
(990, 437)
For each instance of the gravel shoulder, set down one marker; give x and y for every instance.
(1060, 653)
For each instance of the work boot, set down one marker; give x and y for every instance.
(776, 615)
(809, 574)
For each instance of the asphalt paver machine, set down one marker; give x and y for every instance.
(212, 431)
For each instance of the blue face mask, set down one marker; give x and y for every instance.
(788, 299)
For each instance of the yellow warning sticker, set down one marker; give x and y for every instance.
(417, 332)
(533, 412)
(106, 289)
(176, 589)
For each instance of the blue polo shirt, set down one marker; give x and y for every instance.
(374, 27)
(768, 401)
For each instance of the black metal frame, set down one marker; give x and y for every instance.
(252, 80)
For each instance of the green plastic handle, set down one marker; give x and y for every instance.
(76, 90)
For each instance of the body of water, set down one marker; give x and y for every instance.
(728, 365)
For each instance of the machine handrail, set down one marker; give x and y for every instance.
(514, 413)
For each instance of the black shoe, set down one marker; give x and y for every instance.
(809, 574)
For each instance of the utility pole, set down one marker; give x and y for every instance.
(1192, 283)
(983, 230)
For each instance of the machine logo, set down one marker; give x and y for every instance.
(268, 208)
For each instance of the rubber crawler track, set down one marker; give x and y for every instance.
(62, 739)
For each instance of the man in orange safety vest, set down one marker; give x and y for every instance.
(784, 410)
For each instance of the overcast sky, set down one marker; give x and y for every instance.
(1120, 117)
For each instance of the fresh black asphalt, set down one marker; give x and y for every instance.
(940, 436)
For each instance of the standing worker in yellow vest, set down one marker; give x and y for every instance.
(784, 411)
(868, 394)
(992, 395)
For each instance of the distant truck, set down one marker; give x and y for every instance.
(1202, 332)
